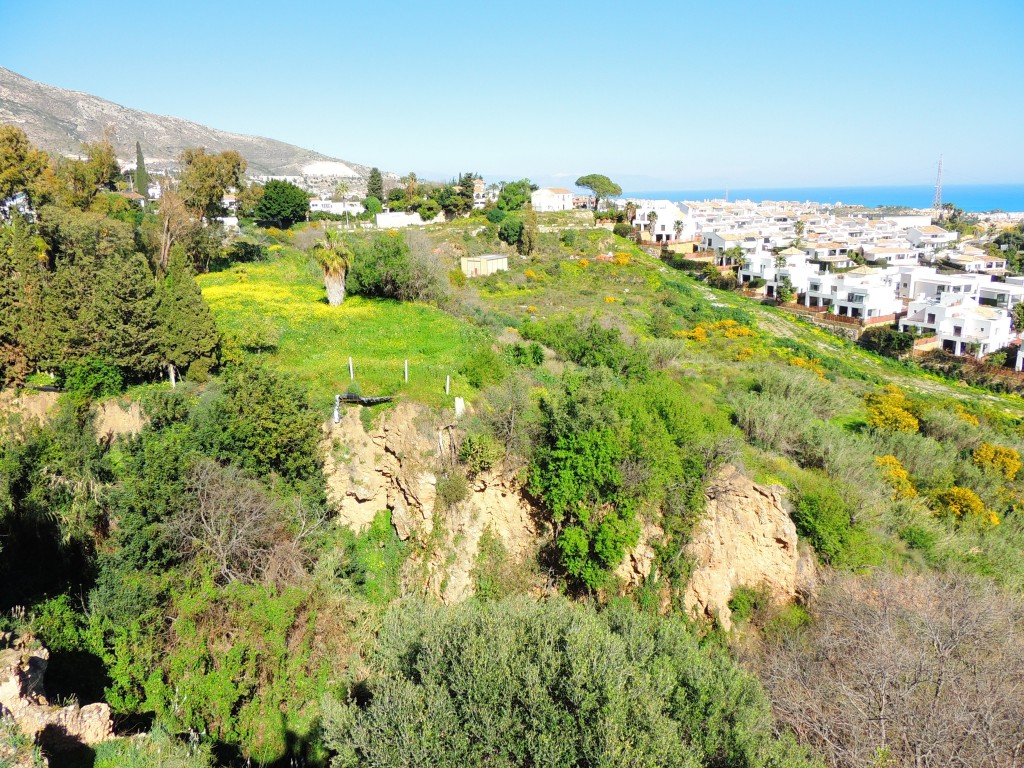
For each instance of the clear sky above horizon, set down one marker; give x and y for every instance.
(657, 94)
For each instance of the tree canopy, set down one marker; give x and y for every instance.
(282, 203)
(206, 178)
(600, 185)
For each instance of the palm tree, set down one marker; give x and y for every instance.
(334, 256)
(631, 212)
(678, 228)
(652, 219)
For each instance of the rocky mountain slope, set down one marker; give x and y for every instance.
(59, 121)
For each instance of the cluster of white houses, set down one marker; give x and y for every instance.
(899, 270)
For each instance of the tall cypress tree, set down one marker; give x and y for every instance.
(375, 184)
(129, 333)
(141, 176)
(188, 333)
(22, 267)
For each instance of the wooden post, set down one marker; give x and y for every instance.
(406, 371)
(351, 370)
(447, 385)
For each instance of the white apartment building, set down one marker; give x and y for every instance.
(895, 254)
(971, 259)
(922, 283)
(962, 325)
(774, 268)
(551, 199)
(667, 216)
(862, 292)
(931, 237)
(1002, 295)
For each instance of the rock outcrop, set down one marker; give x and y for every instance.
(746, 538)
(22, 667)
(395, 467)
(114, 420)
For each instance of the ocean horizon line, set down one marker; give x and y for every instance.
(973, 198)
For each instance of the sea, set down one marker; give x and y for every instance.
(975, 198)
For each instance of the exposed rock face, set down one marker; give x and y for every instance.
(21, 695)
(385, 469)
(28, 406)
(113, 420)
(394, 467)
(746, 538)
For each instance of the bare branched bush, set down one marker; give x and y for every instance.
(511, 415)
(233, 522)
(922, 671)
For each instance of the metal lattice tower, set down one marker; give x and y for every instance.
(937, 202)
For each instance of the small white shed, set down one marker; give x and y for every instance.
(485, 264)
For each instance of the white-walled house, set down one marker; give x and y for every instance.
(353, 207)
(961, 324)
(920, 283)
(666, 217)
(863, 292)
(971, 259)
(893, 254)
(1002, 295)
(774, 268)
(550, 199)
(931, 237)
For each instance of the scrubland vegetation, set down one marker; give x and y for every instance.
(193, 575)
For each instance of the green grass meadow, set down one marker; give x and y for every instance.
(316, 340)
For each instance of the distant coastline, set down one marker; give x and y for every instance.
(977, 198)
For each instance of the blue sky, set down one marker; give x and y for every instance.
(655, 94)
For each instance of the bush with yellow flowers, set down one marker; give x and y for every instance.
(967, 416)
(610, 299)
(811, 365)
(896, 476)
(621, 258)
(961, 502)
(1005, 461)
(583, 263)
(890, 411)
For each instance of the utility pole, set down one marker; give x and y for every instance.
(937, 202)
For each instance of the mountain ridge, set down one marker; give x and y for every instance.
(61, 120)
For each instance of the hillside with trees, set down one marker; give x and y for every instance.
(243, 578)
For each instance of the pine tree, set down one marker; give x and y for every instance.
(188, 333)
(375, 184)
(141, 176)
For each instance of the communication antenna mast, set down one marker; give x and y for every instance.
(937, 202)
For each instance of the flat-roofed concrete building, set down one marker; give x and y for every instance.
(485, 264)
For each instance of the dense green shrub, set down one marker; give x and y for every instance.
(264, 422)
(588, 343)
(887, 341)
(479, 452)
(483, 367)
(822, 516)
(372, 560)
(452, 488)
(91, 378)
(747, 601)
(518, 682)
